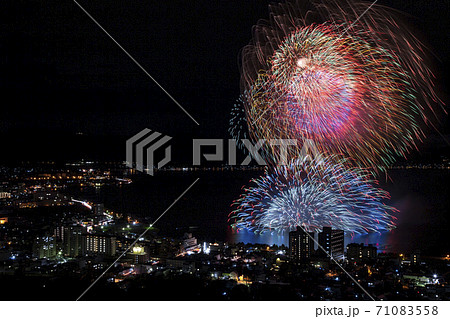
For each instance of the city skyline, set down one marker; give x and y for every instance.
(94, 90)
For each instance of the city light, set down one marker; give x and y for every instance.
(334, 158)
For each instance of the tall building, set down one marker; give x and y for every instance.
(98, 245)
(337, 243)
(58, 233)
(73, 240)
(332, 241)
(70, 238)
(138, 255)
(45, 247)
(325, 241)
(301, 245)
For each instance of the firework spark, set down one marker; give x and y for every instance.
(354, 84)
(314, 194)
(238, 127)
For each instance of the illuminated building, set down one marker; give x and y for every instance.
(417, 280)
(5, 195)
(370, 253)
(71, 239)
(415, 258)
(214, 248)
(123, 244)
(359, 252)
(354, 252)
(24, 205)
(98, 245)
(301, 245)
(3, 220)
(190, 243)
(45, 247)
(332, 240)
(138, 255)
(241, 280)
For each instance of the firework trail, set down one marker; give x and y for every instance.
(355, 84)
(314, 194)
(238, 127)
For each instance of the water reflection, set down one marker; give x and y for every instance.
(383, 241)
(246, 237)
(379, 240)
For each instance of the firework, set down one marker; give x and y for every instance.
(349, 78)
(238, 128)
(314, 194)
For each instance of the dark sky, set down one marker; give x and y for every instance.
(60, 74)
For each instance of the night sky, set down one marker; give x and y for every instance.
(60, 75)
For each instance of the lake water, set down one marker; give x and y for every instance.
(422, 196)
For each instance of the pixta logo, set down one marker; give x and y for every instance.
(147, 141)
